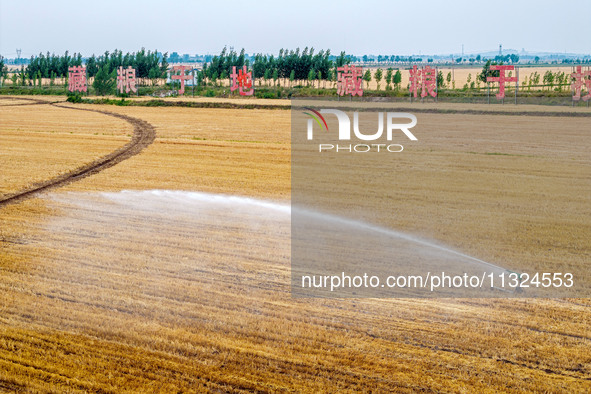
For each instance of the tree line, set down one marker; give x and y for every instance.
(147, 64)
(289, 64)
(306, 66)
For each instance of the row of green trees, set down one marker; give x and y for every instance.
(289, 64)
(56, 66)
(391, 77)
(510, 58)
(558, 80)
(293, 65)
(148, 64)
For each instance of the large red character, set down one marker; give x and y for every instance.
(579, 79)
(242, 81)
(423, 79)
(77, 79)
(429, 82)
(181, 76)
(126, 80)
(501, 79)
(349, 80)
(414, 80)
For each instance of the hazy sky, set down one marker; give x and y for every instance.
(357, 27)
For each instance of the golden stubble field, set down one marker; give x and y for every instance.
(42, 141)
(124, 292)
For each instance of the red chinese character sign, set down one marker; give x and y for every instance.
(181, 76)
(414, 80)
(579, 79)
(502, 79)
(429, 82)
(242, 81)
(126, 80)
(349, 79)
(77, 79)
(423, 79)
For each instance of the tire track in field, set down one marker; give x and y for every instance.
(143, 136)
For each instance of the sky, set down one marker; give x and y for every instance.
(356, 27)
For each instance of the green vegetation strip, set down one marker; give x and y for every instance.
(188, 104)
(234, 105)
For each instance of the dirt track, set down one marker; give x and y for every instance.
(143, 136)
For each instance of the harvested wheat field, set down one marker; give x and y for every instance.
(43, 141)
(170, 271)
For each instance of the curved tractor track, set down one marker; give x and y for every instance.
(143, 135)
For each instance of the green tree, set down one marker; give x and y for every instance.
(367, 78)
(378, 77)
(154, 74)
(561, 79)
(267, 76)
(91, 66)
(21, 76)
(448, 78)
(549, 79)
(440, 79)
(200, 78)
(397, 79)
(3, 69)
(311, 77)
(514, 58)
(487, 72)
(342, 60)
(291, 78)
(389, 74)
(163, 64)
(104, 81)
(275, 77)
(332, 77)
(536, 78)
